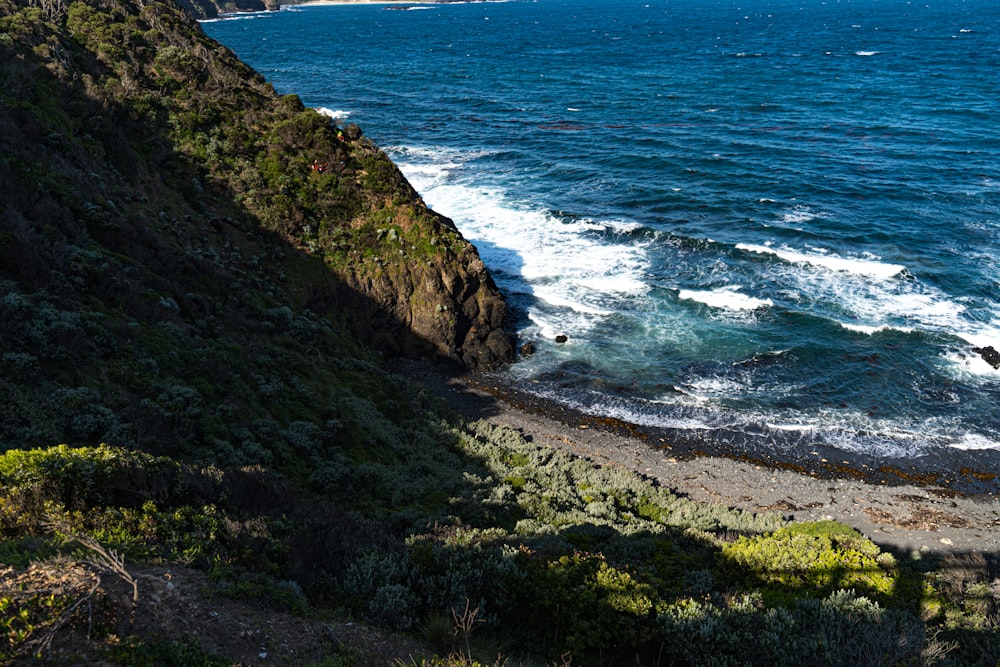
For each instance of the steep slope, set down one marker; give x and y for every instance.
(177, 281)
(124, 121)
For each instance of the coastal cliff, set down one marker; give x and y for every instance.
(195, 273)
(131, 140)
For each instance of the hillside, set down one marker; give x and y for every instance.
(203, 459)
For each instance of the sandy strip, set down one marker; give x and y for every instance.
(898, 516)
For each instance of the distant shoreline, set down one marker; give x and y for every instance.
(314, 3)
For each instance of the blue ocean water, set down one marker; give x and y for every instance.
(770, 221)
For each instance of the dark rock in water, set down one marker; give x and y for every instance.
(528, 349)
(562, 338)
(989, 354)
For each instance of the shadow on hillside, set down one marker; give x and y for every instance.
(613, 593)
(144, 307)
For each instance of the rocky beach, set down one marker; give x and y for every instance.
(899, 515)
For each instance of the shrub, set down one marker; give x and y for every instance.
(811, 558)
(841, 629)
(579, 603)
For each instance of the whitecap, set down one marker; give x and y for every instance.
(333, 114)
(871, 330)
(866, 295)
(240, 16)
(827, 260)
(975, 441)
(980, 335)
(798, 215)
(613, 226)
(569, 278)
(964, 364)
(706, 388)
(867, 53)
(798, 428)
(553, 296)
(725, 298)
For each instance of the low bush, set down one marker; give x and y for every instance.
(839, 629)
(577, 603)
(812, 558)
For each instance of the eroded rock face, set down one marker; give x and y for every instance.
(472, 313)
(431, 293)
(324, 205)
(445, 306)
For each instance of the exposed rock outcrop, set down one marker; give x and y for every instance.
(171, 267)
(989, 354)
(139, 107)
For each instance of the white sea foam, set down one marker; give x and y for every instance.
(871, 330)
(963, 364)
(797, 428)
(867, 53)
(828, 260)
(975, 441)
(727, 298)
(554, 296)
(711, 388)
(241, 16)
(797, 215)
(981, 335)
(573, 275)
(335, 114)
(868, 296)
(849, 432)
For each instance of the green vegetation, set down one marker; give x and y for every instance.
(564, 565)
(190, 375)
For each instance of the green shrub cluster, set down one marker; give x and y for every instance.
(839, 629)
(597, 586)
(580, 604)
(156, 297)
(811, 558)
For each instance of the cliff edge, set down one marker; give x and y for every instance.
(125, 126)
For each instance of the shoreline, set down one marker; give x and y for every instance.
(899, 510)
(321, 3)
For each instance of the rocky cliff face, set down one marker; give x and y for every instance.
(174, 274)
(203, 9)
(126, 119)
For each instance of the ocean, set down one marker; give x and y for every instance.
(771, 225)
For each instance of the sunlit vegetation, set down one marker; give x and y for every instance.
(181, 382)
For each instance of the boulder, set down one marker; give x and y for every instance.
(989, 354)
